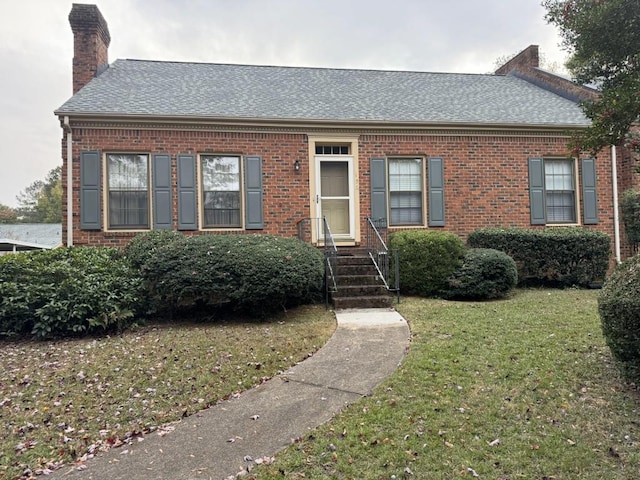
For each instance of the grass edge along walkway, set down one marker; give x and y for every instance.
(523, 388)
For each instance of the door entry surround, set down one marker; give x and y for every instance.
(334, 187)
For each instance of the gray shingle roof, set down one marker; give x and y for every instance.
(139, 87)
(31, 235)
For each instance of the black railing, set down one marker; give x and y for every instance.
(323, 233)
(379, 253)
(330, 262)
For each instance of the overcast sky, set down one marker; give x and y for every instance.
(36, 49)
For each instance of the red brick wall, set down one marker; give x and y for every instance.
(286, 193)
(486, 176)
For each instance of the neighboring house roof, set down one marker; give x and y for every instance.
(30, 236)
(220, 91)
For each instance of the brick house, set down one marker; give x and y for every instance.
(216, 148)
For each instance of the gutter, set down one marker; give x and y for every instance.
(616, 213)
(302, 123)
(67, 129)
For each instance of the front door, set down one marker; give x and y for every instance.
(335, 201)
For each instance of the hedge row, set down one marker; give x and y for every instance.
(253, 273)
(436, 263)
(619, 309)
(67, 291)
(554, 256)
(73, 291)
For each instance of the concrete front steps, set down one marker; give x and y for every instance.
(358, 282)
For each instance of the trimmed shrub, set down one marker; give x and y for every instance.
(561, 256)
(67, 291)
(630, 213)
(426, 259)
(485, 274)
(145, 245)
(619, 308)
(253, 273)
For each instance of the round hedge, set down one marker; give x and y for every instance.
(426, 259)
(253, 273)
(485, 274)
(619, 309)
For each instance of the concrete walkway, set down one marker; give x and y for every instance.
(367, 346)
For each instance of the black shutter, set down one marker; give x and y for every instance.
(436, 192)
(536, 191)
(187, 193)
(162, 208)
(254, 217)
(90, 183)
(378, 172)
(589, 193)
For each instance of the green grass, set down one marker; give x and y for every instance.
(61, 400)
(523, 388)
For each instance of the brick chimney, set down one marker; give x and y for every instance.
(527, 59)
(90, 43)
(526, 66)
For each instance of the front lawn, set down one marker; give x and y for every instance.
(522, 388)
(62, 400)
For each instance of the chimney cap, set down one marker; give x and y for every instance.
(86, 18)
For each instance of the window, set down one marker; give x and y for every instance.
(560, 191)
(332, 149)
(221, 191)
(128, 191)
(405, 191)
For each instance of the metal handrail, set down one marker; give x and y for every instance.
(379, 254)
(330, 261)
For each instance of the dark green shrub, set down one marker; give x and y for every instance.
(630, 213)
(253, 273)
(67, 291)
(560, 256)
(426, 259)
(619, 308)
(485, 274)
(144, 245)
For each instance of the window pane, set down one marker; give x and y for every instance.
(128, 190)
(128, 172)
(128, 209)
(222, 209)
(560, 207)
(221, 191)
(221, 173)
(560, 191)
(558, 174)
(405, 191)
(405, 174)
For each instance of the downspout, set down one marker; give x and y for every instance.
(67, 128)
(616, 214)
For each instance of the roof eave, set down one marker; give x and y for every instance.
(298, 122)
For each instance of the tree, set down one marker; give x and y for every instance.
(7, 214)
(603, 37)
(41, 202)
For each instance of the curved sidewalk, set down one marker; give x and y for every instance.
(217, 443)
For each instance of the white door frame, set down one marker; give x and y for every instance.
(318, 197)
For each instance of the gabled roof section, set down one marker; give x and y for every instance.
(222, 91)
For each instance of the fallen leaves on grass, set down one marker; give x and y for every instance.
(65, 401)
